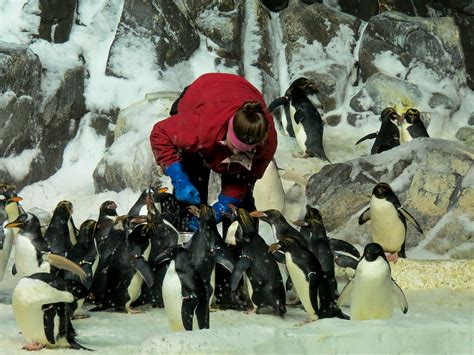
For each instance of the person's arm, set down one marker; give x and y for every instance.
(167, 139)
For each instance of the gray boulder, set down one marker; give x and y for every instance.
(381, 91)
(434, 42)
(312, 31)
(433, 179)
(159, 25)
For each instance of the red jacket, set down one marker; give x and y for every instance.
(201, 124)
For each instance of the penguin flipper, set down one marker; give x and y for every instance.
(299, 116)
(342, 260)
(223, 259)
(313, 291)
(400, 297)
(239, 268)
(49, 312)
(280, 257)
(145, 271)
(365, 216)
(409, 217)
(289, 283)
(369, 136)
(345, 294)
(277, 103)
(342, 245)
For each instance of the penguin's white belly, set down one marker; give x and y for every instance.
(301, 137)
(134, 290)
(27, 299)
(405, 136)
(29, 319)
(268, 191)
(173, 298)
(6, 251)
(25, 258)
(371, 296)
(386, 227)
(301, 285)
(249, 289)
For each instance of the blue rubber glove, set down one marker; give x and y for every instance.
(222, 206)
(193, 224)
(183, 189)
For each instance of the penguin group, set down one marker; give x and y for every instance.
(396, 129)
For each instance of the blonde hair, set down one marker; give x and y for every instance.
(250, 124)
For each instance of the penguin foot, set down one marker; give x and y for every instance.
(392, 257)
(81, 316)
(33, 347)
(135, 311)
(300, 155)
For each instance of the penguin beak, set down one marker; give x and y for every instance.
(163, 189)
(257, 214)
(15, 199)
(13, 225)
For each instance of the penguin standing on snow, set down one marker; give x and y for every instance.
(388, 135)
(9, 211)
(372, 290)
(188, 277)
(312, 284)
(107, 216)
(32, 254)
(412, 126)
(388, 221)
(61, 233)
(306, 123)
(85, 254)
(39, 304)
(263, 278)
(128, 267)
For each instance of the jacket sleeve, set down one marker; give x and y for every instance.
(170, 136)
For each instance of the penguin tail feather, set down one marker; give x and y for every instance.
(76, 346)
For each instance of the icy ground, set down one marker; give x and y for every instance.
(439, 321)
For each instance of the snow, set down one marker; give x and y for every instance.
(439, 321)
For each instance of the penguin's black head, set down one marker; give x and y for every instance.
(382, 190)
(64, 207)
(411, 116)
(312, 213)
(270, 216)
(246, 223)
(389, 113)
(87, 230)
(25, 221)
(206, 215)
(108, 208)
(301, 86)
(372, 251)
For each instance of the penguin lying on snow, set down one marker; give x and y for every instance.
(303, 119)
(312, 284)
(388, 135)
(372, 289)
(388, 221)
(39, 304)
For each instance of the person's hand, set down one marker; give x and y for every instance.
(184, 190)
(222, 206)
